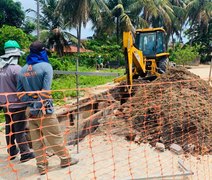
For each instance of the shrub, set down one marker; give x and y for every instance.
(13, 33)
(108, 49)
(184, 55)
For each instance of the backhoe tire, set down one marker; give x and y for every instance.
(162, 65)
(135, 76)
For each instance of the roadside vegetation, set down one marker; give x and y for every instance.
(184, 55)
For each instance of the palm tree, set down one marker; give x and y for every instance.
(78, 12)
(49, 19)
(51, 26)
(28, 25)
(157, 13)
(123, 20)
(53, 23)
(179, 18)
(105, 26)
(110, 23)
(199, 14)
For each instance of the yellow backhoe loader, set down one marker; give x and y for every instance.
(145, 55)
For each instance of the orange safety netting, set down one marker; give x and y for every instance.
(162, 130)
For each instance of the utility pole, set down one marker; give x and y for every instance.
(117, 30)
(38, 20)
(77, 78)
(209, 79)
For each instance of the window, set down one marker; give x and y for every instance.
(146, 42)
(160, 43)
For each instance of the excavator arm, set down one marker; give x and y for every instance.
(135, 61)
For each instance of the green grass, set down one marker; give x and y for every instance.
(69, 81)
(2, 119)
(66, 84)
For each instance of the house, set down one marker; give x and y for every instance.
(72, 49)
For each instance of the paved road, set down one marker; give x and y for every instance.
(202, 71)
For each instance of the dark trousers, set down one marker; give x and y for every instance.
(15, 130)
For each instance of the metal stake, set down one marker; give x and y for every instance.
(209, 79)
(77, 82)
(38, 20)
(185, 173)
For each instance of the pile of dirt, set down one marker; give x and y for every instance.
(175, 108)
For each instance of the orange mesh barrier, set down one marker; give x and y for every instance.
(162, 130)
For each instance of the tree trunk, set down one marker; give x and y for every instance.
(77, 78)
(192, 35)
(38, 20)
(117, 29)
(79, 36)
(173, 41)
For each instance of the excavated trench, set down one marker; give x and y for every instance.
(91, 111)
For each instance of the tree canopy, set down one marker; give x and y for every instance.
(110, 16)
(11, 13)
(13, 33)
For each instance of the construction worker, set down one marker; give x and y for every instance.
(160, 48)
(150, 44)
(99, 63)
(14, 110)
(37, 75)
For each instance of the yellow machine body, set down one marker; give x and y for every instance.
(138, 63)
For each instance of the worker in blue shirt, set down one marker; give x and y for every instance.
(35, 78)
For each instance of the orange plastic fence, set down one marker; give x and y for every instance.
(162, 130)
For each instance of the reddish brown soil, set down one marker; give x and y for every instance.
(175, 108)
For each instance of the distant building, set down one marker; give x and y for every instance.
(72, 49)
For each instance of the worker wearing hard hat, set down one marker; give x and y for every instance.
(14, 110)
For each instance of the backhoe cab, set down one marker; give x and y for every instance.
(151, 42)
(145, 55)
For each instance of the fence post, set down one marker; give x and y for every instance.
(209, 79)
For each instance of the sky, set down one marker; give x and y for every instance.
(31, 4)
(86, 32)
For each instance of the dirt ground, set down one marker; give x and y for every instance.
(107, 155)
(112, 157)
(175, 108)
